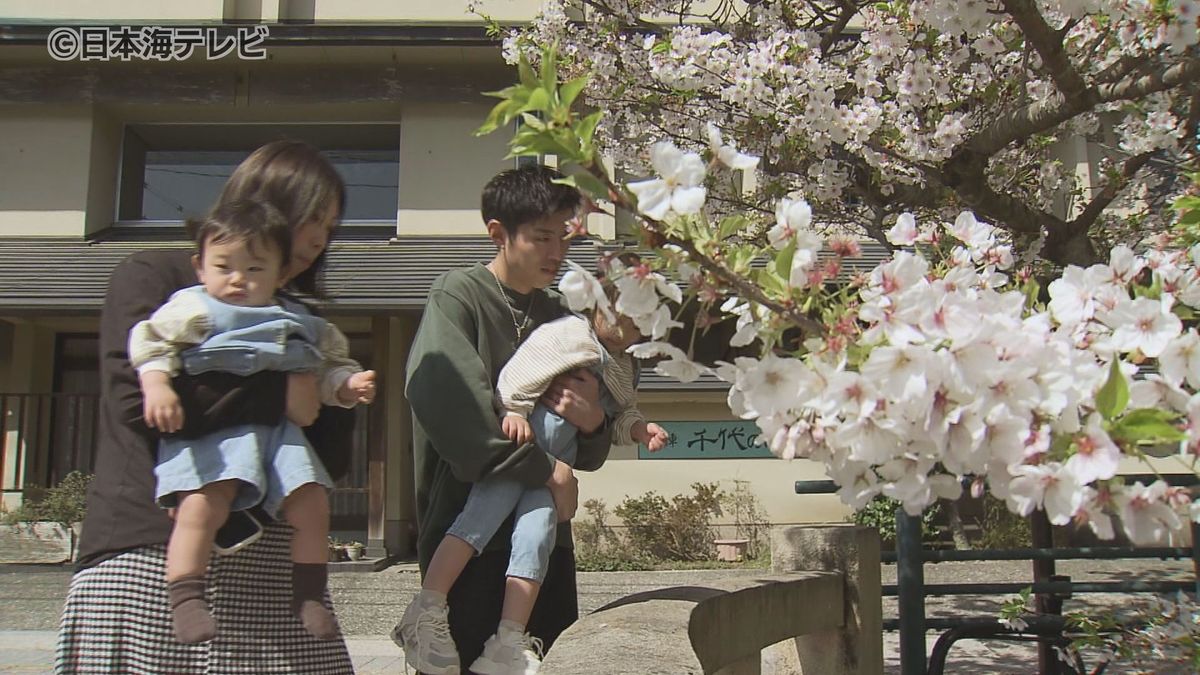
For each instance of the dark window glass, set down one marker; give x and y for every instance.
(174, 172)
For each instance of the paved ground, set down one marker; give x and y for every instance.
(368, 604)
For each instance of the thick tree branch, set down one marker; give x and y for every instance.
(1049, 45)
(849, 10)
(1044, 115)
(1184, 72)
(1086, 218)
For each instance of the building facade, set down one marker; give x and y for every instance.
(112, 135)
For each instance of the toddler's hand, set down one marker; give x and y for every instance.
(517, 428)
(359, 388)
(161, 408)
(656, 437)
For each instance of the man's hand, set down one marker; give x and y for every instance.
(358, 388)
(160, 404)
(575, 397)
(517, 428)
(303, 400)
(564, 489)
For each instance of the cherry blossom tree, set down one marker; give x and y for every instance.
(934, 124)
(870, 109)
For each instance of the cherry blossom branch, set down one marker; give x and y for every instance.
(744, 288)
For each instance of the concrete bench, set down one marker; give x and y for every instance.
(809, 620)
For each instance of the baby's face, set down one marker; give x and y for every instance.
(241, 273)
(618, 336)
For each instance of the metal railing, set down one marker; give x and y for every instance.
(1047, 626)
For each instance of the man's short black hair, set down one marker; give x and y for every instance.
(526, 194)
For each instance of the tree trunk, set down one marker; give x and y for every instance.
(957, 531)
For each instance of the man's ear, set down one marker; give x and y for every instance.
(198, 266)
(497, 233)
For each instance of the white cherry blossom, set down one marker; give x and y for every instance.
(680, 188)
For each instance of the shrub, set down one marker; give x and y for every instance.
(675, 529)
(64, 503)
(1001, 528)
(880, 513)
(598, 546)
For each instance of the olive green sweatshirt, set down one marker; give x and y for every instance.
(466, 335)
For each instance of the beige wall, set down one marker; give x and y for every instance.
(111, 12)
(45, 156)
(443, 168)
(423, 11)
(105, 151)
(418, 11)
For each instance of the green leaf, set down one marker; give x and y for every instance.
(1114, 395)
(771, 283)
(730, 225)
(783, 261)
(539, 99)
(532, 121)
(1032, 290)
(529, 79)
(496, 118)
(1059, 445)
(571, 90)
(1149, 425)
(587, 128)
(590, 184)
(550, 68)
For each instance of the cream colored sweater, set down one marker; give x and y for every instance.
(558, 347)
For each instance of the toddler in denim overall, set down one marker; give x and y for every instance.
(234, 322)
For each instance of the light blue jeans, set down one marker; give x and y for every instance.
(535, 521)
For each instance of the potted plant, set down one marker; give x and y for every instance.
(45, 527)
(337, 550)
(355, 550)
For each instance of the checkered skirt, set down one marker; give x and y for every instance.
(116, 618)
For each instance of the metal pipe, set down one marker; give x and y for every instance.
(1043, 571)
(1064, 587)
(1078, 553)
(911, 577)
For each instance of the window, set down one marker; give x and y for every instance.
(171, 172)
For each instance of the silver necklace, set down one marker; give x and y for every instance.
(512, 311)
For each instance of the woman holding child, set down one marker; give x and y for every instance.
(117, 616)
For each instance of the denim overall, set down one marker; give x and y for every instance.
(535, 520)
(270, 461)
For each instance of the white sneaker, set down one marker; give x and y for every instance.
(424, 635)
(509, 653)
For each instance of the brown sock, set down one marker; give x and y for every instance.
(189, 612)
(308, 600)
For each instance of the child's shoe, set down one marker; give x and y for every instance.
(424, 635)
(509, 652)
